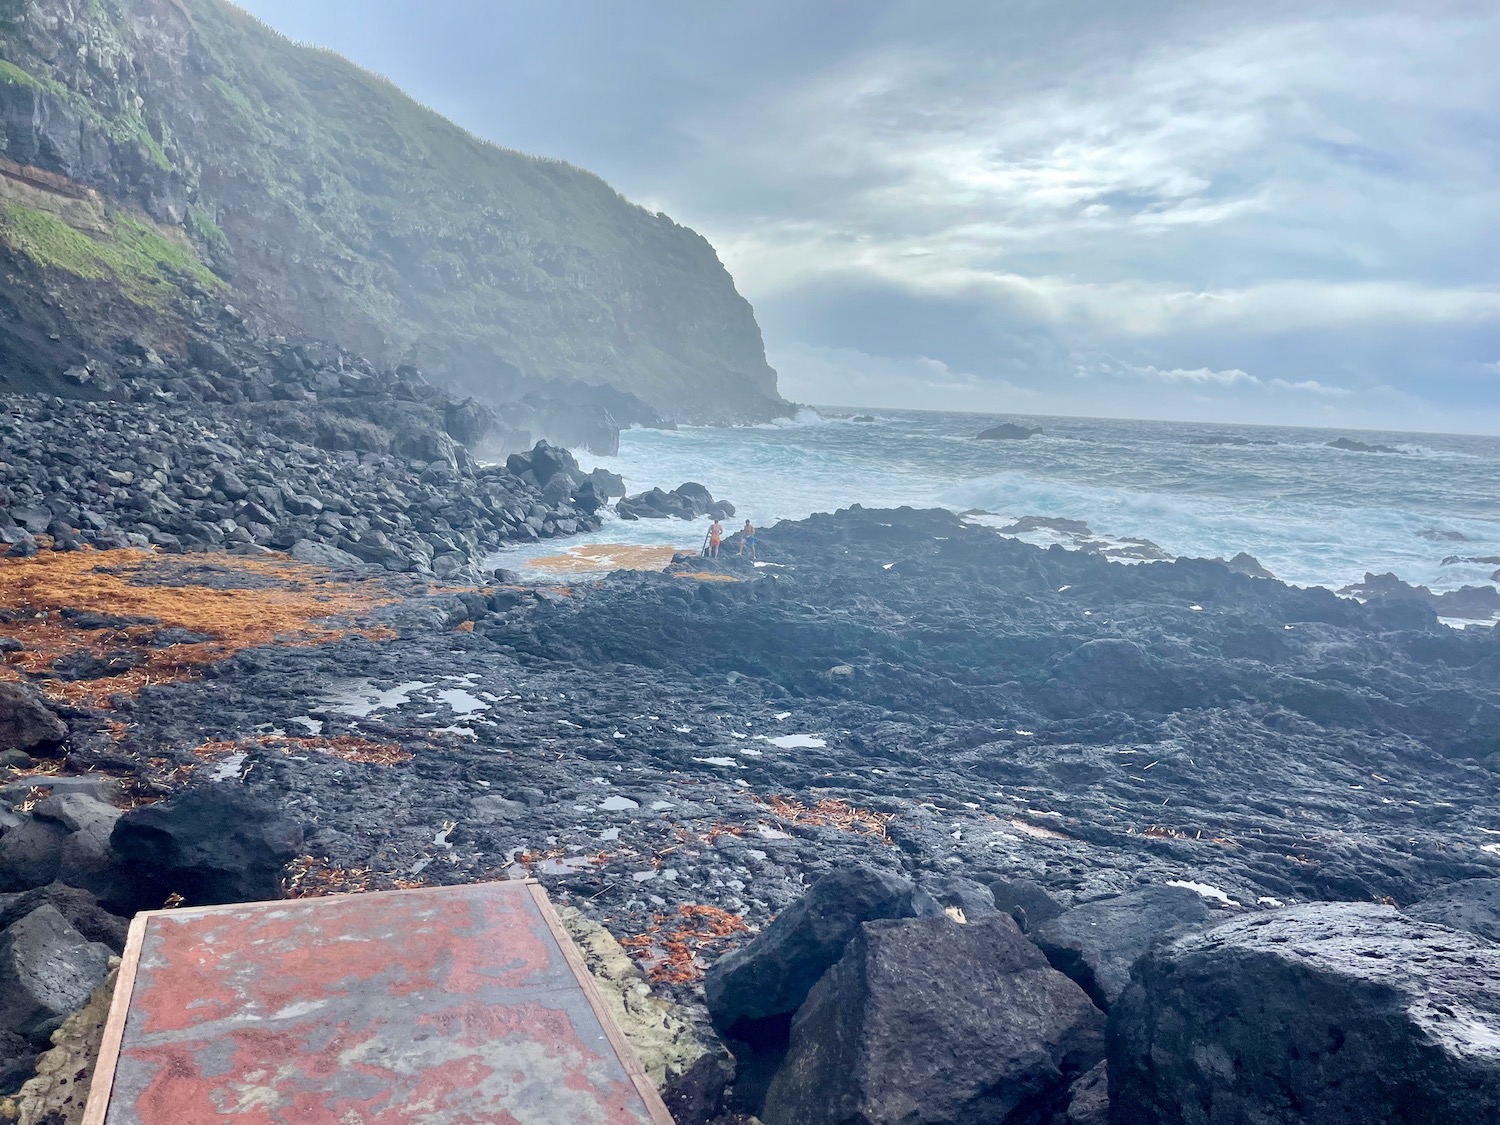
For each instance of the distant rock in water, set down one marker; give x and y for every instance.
(1476, 560)
(1471, 603)
(688, 501)
(1361, 447)
(1007, 431)
(1442, 535)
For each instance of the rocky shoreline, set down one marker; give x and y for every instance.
(680, 755)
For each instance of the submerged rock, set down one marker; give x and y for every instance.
(1335, 1013)
(931, 1021)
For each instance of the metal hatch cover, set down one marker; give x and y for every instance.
(444, 1006)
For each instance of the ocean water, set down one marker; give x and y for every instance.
(1312, 514)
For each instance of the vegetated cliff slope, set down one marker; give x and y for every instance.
(334, 203)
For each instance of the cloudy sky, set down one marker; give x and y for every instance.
(1268, 212)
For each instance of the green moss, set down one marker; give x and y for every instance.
(12, 75)
(146, 266)
(202, 227)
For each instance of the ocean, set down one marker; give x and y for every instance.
(1312, 514)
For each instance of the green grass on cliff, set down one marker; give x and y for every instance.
(147, 266)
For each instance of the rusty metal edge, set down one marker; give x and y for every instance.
(643, 1085)
(103, 1081)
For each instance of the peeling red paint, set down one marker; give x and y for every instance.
(445, 1006)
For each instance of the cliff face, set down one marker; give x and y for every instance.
(328, 200)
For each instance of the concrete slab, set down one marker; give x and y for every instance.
(446, 1006)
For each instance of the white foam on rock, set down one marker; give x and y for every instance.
(1204, 890)
(796, 741)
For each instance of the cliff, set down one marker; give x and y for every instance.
(197, 155)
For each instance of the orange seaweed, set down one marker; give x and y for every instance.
(288, 604)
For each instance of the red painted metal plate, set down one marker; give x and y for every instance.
(446, 1006)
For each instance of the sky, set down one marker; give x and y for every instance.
(1281, 213)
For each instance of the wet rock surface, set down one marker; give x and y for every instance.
(1327, 1012)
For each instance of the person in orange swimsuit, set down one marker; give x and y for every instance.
(715, 537)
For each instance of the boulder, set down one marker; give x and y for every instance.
(1335, 1013)
(86, 858)
(1088, 1100)
(958, 897)
(1024, 901)
(753, 991)
(213, 844)
(468, 421)
(1006, 431)
(313, 553)
(78, 906)
(26, 722)
(1096, 944)
(607, 484)
(30, 854)
(931, 1021)
(1472, 905)
(47, 970)
(1351, 446)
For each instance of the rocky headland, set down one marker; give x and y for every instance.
(1088, 758)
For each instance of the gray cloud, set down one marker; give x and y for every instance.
(1285, 211)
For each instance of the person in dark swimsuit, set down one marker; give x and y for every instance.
(748, 539)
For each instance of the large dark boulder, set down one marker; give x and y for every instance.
(26, 722)
(1334, 1013)
(214, 844)
(753, 991)
(1472, 905)
(1096, 944)
(932, 1021)
(47, 971)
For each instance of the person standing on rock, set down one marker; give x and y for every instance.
(715, 537)
(748, 539)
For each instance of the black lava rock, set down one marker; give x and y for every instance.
(1096, 944)
(27, 723)
(214, 844)
(1339, 1013)
(1472, 905)
(928, 1021)
(753, 992)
